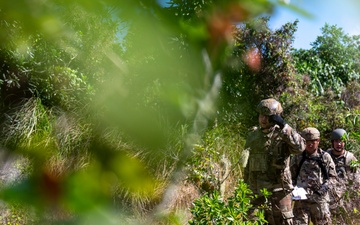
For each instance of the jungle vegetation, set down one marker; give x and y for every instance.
(136, 112)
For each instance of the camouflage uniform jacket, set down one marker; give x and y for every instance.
(268, 165)
(311, 176)
(342, 164)
(348, 176)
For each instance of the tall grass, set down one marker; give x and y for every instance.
(61, 147)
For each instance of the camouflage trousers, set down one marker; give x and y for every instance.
(279, 210)
(317, 213)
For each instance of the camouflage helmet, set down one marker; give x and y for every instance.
(269, 107)
(338, 134)
(310, 133)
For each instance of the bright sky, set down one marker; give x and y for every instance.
(343, 13)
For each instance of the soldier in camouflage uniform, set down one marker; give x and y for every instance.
(348, 176)
(269, 147)
(314, 170)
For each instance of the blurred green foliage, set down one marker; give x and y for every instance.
(99, 95)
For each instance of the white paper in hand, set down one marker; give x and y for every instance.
(299, 193)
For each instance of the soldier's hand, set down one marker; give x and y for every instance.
(322, 190)
(277, 119)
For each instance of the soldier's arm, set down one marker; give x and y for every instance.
(353, 160)
(294, 140)
(293, 168)
(330, 166)
(332, 175)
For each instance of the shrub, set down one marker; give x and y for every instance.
(210, 208)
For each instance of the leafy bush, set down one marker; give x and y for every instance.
(211, 209)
